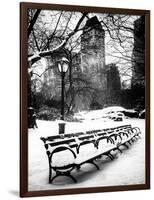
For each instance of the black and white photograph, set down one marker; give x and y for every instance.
(86, 99)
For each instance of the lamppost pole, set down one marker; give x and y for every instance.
(63, 65)
(62, 94)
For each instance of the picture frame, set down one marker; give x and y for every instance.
(25, 135)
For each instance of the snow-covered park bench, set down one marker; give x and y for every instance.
(70, 151)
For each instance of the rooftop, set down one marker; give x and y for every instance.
(93, 23)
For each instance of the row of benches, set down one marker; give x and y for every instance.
(69, 151)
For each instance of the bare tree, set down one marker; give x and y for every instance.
(53, 31)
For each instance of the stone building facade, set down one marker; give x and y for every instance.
(93, 52)
(113, 84)
(138, 57)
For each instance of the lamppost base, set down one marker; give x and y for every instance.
(61, 128)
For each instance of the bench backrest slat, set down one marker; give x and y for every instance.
(73, 140)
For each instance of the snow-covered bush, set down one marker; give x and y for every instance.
(47, 113)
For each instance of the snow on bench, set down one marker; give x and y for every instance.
(69, 151)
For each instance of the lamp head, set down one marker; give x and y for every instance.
(63, 65)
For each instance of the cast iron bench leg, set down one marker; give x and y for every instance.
(92, 162)
(78, 167)
(63, 174)
(119, 149)
(109, 155)
(126, 145)
(138, 135)
(50, 173)
(129, 142)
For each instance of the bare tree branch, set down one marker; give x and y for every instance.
(32, 22)
(37, 56)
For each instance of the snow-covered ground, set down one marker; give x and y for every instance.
(128, 168)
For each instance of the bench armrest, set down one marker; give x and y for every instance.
(86, 142)
(137, 129)
(61, 148)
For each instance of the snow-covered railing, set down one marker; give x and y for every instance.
(70, 151)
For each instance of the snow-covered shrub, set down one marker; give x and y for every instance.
(47, 113)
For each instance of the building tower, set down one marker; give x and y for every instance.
(93, 53)
(113, 78)
(138, 57)
(113, 84)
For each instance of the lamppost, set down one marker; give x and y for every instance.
(63, 65)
